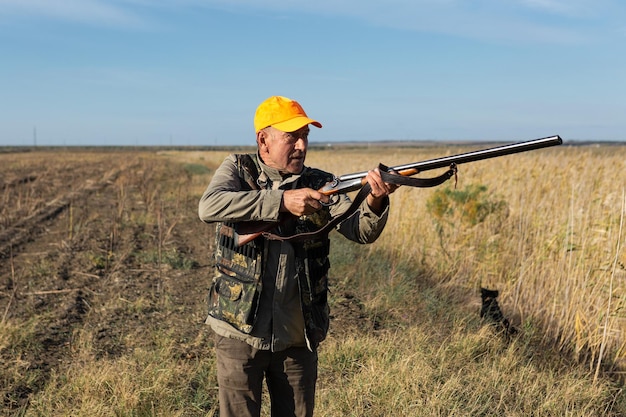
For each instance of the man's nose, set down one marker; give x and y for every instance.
(301, 143)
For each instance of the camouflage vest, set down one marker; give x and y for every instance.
(234, 294)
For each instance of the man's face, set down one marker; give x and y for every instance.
(284, 151)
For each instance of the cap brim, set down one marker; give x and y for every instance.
(296, 123)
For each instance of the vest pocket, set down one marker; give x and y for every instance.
(234, 298)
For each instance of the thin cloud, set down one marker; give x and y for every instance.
(556, 21)
(98, 12)
(570, 8)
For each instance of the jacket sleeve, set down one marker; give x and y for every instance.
(225, 200)
(364, 226)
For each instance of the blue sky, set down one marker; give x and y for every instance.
(191, 72)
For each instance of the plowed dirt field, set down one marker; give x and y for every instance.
(101, 247)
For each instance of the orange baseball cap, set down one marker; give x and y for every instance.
(283, 114)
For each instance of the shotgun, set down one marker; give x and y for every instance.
(248, 231)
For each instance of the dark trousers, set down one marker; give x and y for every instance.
(290, 376)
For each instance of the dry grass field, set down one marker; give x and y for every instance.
(104, 267)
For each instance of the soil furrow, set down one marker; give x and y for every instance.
(18, 181)
(31, 226)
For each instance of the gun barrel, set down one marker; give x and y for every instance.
(446, 161)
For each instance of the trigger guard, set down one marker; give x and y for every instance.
(334, 199)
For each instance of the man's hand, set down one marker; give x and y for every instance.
(302, 201)
(380, 190)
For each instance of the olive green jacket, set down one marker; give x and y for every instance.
(279, 323)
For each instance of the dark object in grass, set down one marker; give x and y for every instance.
(490, 311)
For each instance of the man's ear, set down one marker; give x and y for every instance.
(261, 139)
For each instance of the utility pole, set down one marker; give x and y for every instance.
(35, 136)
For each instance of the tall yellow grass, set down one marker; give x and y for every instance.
(557, 259)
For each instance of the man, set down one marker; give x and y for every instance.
(268, 301)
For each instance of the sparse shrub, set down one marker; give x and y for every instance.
(178, 260)
(456, 212)
(42, 267)
(99, 260)
(172, 257)
(196, 169)
(471, 205)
